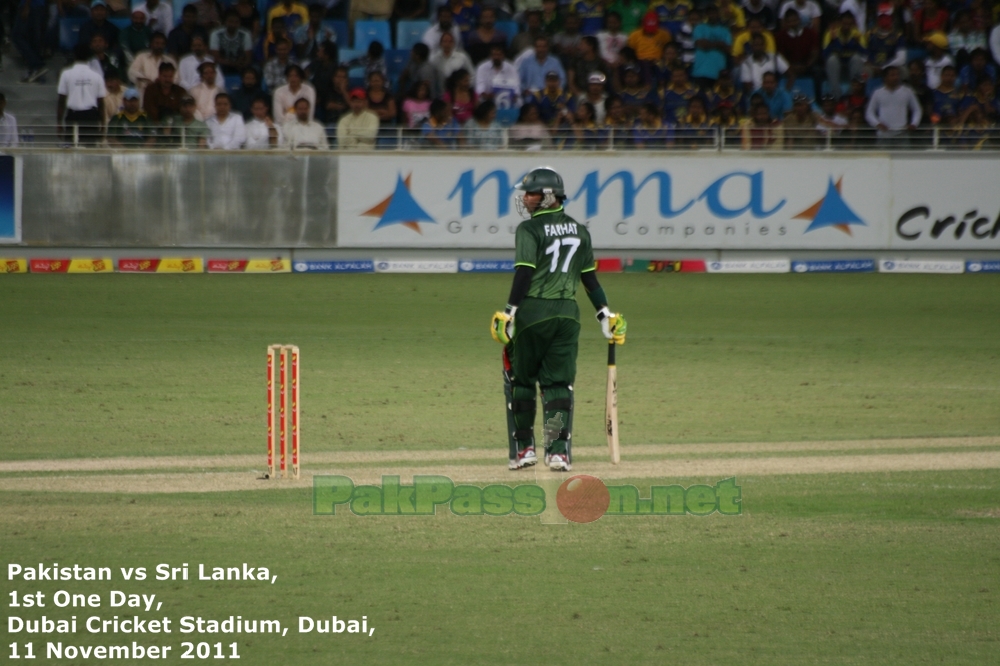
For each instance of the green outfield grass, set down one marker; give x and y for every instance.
(156, 365)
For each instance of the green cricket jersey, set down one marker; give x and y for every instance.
(558, 248)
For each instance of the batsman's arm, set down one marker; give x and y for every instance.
(612, 325)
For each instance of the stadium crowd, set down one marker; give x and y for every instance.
(535, 74)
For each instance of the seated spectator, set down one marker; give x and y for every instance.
(81, 99)
(948, 97)
(742, 46)
(529, 131)
(649, 40)
(525, 39)
(724, 91)
(301, 131)
(321, 70)
(886, 45)
(227, 130)
(274, 69)
(917, 80)
(553, 102)
(101, 61)
(98, 24)
(937, 58)
(856, 134)
(930, 18)
(440, 130)
(634, 94)
(595, 95)
(250, 89)
(843, 49)
(135, 37)
(670, 13)
(809, 12)
(145, 67)
(800, 47)
(964, 39)
(445, 23)
(497, 79)
(479, 40)
(685, 35)
(611, 40)
(159, 16)
(209, 14)
(287, 96)
(309, 36)
(712, 44)
(670, 61)
(184, 130)
(533, 70)
(587, 64)
(762, 11)
(630, 12)
(731, 16)
(231, 45)
(448, 58)
(417, 105)
(591, 13)
(566, 42)
(760, 61)
(552, 18)
(628, 59)
(893, 109)
(250, 19)
(985, 98)
(482, 131)
(979, 68)
(778, 100)
(187, 68)
(461, 97)
(419, 68)
(332, 103)
(650, 131)
(409, 10)
(856, 97)
(130, 128)
(974, 129)
(725, 118)
(8, 125)
(114, 100)
(206, 93)
(677, 96)
(762, 132)
(163, 98)
(995, 43)
(290, 14)
(616, 120)
(800, 125)
(695, 129)
(380, 100)
(830, 120)
(358, 129)
(179, 39)
(465, 15)
(372, 61)
(585, 133)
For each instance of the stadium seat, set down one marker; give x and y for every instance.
(233, 82)
(395, 62)
(340, 28)
(356, 75)
(366, 32)
(509, 28)
(409, 33)
(805, 87)
(120, 23)
(845, 87)
(69, 32)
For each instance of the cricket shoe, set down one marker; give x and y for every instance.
(558, 462)
(525, 458)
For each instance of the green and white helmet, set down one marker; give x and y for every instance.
(544, 180)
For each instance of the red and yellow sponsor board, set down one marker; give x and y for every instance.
(249, 266)
(13, 265)
(162, 265)
(72, 265)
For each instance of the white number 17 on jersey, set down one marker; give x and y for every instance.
(572, 243)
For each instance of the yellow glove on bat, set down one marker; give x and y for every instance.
(502, 326)
(612, 325)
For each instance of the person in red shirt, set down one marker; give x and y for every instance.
(929, 18)
(800, 47)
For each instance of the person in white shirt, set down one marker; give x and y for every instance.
(613, 39)
(358, 129)
(760, 61)
(81, 99)
(432, 36)
(8, 126)
(206, 93)
(937, 58)
(808, 10)
(145, 68)
(228, 130)
(893, 109)
(285, 97)
(498, 80)
(159, 15)
(995, 44)
(262, 132)
(303, 132)
(448, 58)
(187, 69)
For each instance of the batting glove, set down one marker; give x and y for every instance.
(502, 326)
(612, 325)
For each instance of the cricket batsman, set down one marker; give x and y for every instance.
(540, 327)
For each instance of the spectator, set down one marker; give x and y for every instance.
(947, 98)
(526, 38)
(370, 9)
(808, 11)
(81, 99)
(533, 70)
(978, 69)
(417, 105)
(227, 130)
(380, 100)
(432, 36)
(713, 43)
(291, 14)
(179, 39)
(685, 36)
(529, 132)
(760, 61)
(262, 132)
(843, 49)
(409, 10)
(552, 18)
(588, 63)
(135, 37)
(648, 41)
(206, 93)
(670, 61)
(670, 13)
(630, 12)
(830, 121)
(497, 79)
(591, 13)
(209, 14)
(98, 24)
(461, 96)
(695, 129)
(146, 67)
(964, 39)
(274, 69)
(163, 98)
(634, 93)
(886, 45)
(985, 98)
(8, 125)
(647, 71)
(332, 102)
(250, 89)
(321, 70)
(585, 133)
(893, 109)
(479, 40)
(800, 47)
(650, 131)
(937, 58)
(101, 61)
(731, 16)
(856, 97)
(465, 14)
(159, 15)
(231, 45)
(184, 130)
(856, 134)
(27, 35)
(595, 96)
(440, 130)
(778, 100)
(995, 43)
(448, 58)
(372, 61)
(800, 125)
(553, 102)
(358, 129)
(249, 17)
(917, 80)
(725, 118)
(762, 11)
(482, 132)
(287, 96)
(724, 91)
(566, 42)
(611, 40)
(741, 43)
(762, 132)
(615, 118)
(130, 128)
(309, 36)
(677, 96)
(188, 68)
(929, 19)
(301, 131)
(973, 128)
(114, 100)
(419, 68)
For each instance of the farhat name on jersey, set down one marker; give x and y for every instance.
(560, 229)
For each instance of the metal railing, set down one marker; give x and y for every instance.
(539, 138)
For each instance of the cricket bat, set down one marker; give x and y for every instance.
(611, 407)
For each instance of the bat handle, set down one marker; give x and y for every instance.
(611, 352)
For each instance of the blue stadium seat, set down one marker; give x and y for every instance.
(120, 23)
(409, 33)
(509, 28)
(234, 82)
(356, 75)
(366, 32)
(69, 32)
(340, 28)
(845, 87)
(395, 62)
(872, 85)
(805, 87)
